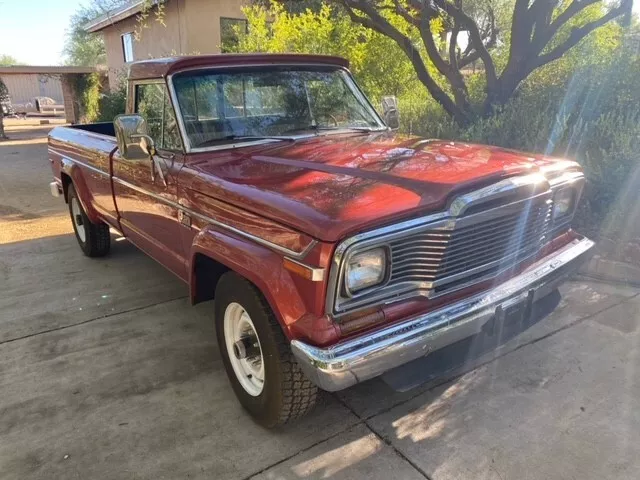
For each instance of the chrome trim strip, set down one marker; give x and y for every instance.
(204, 218)
(369, 355)
(497, 190)
(186, 144)
(445, 220)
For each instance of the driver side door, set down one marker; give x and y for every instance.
(147, 203)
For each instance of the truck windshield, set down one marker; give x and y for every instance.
(222, 107)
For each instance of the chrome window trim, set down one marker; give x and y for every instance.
(188, 148)
(446, 221)
(132, 95)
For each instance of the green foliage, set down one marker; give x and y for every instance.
(81, 47)
(113, 103)
(8, 60)
(88, 88)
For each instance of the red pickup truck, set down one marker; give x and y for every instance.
(335, 248)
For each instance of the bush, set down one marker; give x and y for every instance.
(113, 103)
(88, 89)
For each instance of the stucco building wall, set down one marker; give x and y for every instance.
(192, 27)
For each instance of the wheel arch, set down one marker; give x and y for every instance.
(71, 174)
(215, 252)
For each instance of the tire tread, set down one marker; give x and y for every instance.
(298, 393)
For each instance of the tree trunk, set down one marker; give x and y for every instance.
(504, 89)
(2, 134)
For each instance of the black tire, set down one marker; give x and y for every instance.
(286, 394)
(97, 241)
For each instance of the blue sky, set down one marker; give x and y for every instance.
(33, 31)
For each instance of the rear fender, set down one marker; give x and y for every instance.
(84, 193)
(258, 264)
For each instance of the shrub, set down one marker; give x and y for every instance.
(88, 89)
(113, 103)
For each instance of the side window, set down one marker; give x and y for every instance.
(127, 47)
(152, 102)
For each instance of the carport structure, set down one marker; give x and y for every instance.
(58, 82)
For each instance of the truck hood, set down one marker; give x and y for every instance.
(331, 186)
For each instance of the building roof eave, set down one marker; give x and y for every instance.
(117, 15)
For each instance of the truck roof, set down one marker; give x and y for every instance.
(161, 67)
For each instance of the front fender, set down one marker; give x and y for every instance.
(260, 265)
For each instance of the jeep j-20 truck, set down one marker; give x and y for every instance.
(334, 248)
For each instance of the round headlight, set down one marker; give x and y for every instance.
(563, 203)
(366, 269)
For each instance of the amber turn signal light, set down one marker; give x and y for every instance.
(305, 271)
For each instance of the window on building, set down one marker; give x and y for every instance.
(153, 103)
(127, 47)
(230, 31)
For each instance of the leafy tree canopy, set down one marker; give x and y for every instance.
(81, 47)
(8, 60)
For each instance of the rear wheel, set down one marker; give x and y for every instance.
(261, 368)
(93, 238)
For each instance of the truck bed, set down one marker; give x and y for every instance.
(102, 128)
(83, 153)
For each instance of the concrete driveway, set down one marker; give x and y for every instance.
(107, 372)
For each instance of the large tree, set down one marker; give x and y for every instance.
(81, 47)
(541, 31)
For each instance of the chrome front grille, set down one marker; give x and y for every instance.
(447, 259)
(482, 234)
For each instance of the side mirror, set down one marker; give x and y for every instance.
(133, 138)
(390, 112)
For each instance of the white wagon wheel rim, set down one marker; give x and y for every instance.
(78, 222)
(243, 349)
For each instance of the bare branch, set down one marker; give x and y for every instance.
(474, 36)
(404, 13)
(453, 43)
(572, 10)
(581, 32)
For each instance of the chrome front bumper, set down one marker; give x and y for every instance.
(367, 356)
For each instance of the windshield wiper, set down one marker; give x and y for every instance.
(324, 128)
(249, 138)
(258, 137)
(365, 129)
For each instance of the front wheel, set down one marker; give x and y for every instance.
(261, 368)
(93, 238)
